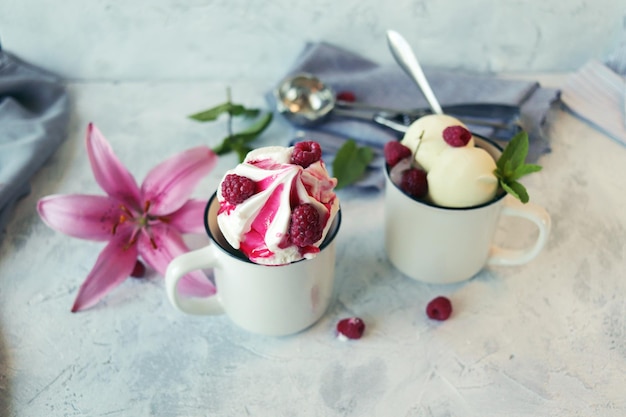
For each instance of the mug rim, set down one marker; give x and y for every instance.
(499, 196)
(330, 237)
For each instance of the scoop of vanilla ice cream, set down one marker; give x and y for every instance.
(462, 177)
(430, 128)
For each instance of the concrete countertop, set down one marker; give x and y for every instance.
(546, 339)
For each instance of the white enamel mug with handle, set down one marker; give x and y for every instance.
(269, 300)
(442, 245)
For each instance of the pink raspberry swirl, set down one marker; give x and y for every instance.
(259, 226)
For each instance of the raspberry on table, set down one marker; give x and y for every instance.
(351, 328)
(305, 228)
(236, 188)
(439, 308)
(139, 270)
(414, 182)
(306, 153)
(395, 152)
(346, 95)
(456, 136)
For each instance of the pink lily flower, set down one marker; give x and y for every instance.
(144, 221)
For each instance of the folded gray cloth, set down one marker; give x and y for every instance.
(389, 86)
(34, 113)
(596, 93)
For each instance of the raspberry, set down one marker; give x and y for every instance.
(456, 136)
(395, 152)
(237, 189)
(439, 308)
(348, 96)
(305, 153)
(305, 228)
(351, 328)
(139, 270)
(414, 182)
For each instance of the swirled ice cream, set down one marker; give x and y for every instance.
(277, 206)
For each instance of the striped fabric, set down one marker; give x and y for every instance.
(597, 94)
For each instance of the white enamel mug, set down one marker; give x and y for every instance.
(446, 245)
(268, 300)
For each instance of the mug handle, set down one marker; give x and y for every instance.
(536, 214)
(198, 259)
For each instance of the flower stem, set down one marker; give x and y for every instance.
(230, 115)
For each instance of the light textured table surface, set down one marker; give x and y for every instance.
(546, 339)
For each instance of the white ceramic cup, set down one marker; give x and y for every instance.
(446, 245)
(268, 300)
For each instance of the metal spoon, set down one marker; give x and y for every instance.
(404, 55)
(305, 100)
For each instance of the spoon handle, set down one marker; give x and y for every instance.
(406, 58)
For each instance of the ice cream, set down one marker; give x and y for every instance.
(277, 206)
(454, 173)
(430, 129)
(462, 177)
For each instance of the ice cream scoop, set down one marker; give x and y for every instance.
(275, 208)
(304, 100)
(462, 177)
(425, 138)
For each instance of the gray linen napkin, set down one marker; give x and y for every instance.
(34, 113)
(389, 86)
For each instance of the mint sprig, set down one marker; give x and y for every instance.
(511, 166)
(232, 109)
(350, 163)
(238, 142)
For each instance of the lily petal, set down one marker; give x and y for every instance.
(189, 218)
(168, 185)
(83, 216)
(109, 172)
(115, 263)
(164, 245)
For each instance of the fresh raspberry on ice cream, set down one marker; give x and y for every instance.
(456, 136)
(236, 189)
(395, 152)
(305, 153)
(414, 182)
(306, 228)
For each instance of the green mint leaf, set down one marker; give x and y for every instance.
(511, 166)
(508, 169)
(520, 149)
(350, 163)
(235, 141)
(259, 126)
(214, 113)
(515, 151)
(524, 170)
(238, 141)
(517, 190)
(242, 150)
(223, 148)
